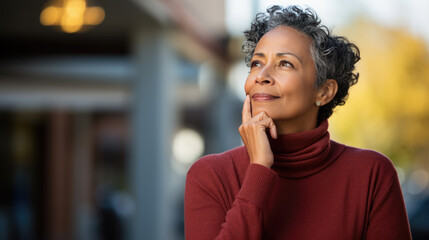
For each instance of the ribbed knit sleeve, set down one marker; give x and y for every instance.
(207, 214)
(387, 216)
(258, 185)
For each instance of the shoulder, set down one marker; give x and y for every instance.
(370, 160)
(229, 162)
(218, 175)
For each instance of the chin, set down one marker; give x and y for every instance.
(273, 114)
(270, 114)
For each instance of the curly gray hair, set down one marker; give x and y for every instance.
(334, 56)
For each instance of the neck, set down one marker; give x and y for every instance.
(303, 154)
(294, 126)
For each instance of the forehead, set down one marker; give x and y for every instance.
(285, 39)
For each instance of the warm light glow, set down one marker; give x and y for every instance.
(71, 24)
(72, 16)
(74, 8)
(50, 16)
(94, 15)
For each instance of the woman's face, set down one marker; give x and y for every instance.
(282, 77)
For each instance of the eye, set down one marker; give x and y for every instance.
(255, 63)
(284, 63)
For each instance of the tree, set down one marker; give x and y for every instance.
(388, 109)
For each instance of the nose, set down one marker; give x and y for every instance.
(264, 76)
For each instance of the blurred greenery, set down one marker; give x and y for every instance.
(388, 109)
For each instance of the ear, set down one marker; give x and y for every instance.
(326, 92)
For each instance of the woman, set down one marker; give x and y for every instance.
(290, 181)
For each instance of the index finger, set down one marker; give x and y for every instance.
(246, 114)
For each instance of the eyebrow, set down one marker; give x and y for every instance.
(280, 54)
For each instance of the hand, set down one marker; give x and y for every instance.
(253, 133)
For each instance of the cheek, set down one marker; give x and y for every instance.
(294, 86)
(297, 90)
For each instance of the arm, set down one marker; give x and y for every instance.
(205, 213)
(208, 212)
(388, 217)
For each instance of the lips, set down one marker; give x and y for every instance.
(263, 97)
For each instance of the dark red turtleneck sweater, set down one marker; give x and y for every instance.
(316, 189)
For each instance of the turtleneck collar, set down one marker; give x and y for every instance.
(303, 154)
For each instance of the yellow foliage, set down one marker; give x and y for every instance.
(388, 109)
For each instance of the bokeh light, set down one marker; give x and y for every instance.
(71, 15)
(188, 145)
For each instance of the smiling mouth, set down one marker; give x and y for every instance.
(261, 97)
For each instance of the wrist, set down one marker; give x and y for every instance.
(265, 162)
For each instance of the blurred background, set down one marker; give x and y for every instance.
(105, 104)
